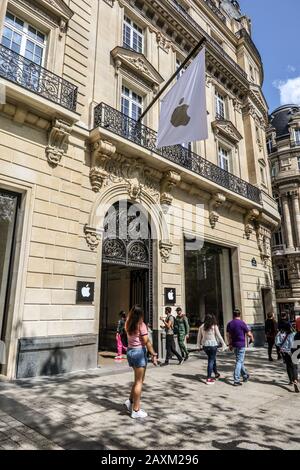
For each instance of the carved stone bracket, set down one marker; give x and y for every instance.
(216, 201)
(168, 182)
(249, 222)
(93, 237)
(101, 152)
(263, 236)
(57, 141)
(165, 249)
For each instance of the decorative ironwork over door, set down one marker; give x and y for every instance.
(127, 237)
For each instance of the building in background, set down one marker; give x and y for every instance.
(73, 159)
(283, 142)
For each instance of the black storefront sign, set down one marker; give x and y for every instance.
(170, 296)
(85, 292)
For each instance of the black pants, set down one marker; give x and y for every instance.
(171, 349)
(291, 368)
(271, 343)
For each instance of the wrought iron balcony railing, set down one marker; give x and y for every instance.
(215, 45)
(216, 10)
(123, 126)
(17, 69)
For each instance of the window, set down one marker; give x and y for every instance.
(23, 38)
(283, 277)
(298, 163)
(220, 106)
(278, 239)
(132, 103)
(274, 170)
(133, 36)
(270, 145)
(8, 215)
(262, 174)
(224, 159)
(297, 136)
(178, 64)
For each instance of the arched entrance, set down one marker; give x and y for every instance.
(126, 277)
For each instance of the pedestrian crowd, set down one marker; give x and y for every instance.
(134, 338)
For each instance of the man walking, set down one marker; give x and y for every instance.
(237, 330)
(170, 343)
(182, 329)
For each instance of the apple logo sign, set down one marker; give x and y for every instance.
(180, 116)
(171, 295)
(85, 291)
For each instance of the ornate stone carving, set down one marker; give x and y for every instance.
(93, 237)
(165, 249)
(58, 137)
(216, 201)
(263, 236)
(163, 42)
(249, 221)
(168, 182)
(101, 152)
(227, 129)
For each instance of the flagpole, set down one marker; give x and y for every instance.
(188, 58)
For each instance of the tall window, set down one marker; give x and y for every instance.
(283, 277)
(133, 36)
(270, 145)
(224, 159)
(178, 64)
(297, 136)
(132, 103)
(278, 238)
(220, 106)
(8, 214)
(23, 38)
(262, 174)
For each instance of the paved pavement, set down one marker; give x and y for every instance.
(85, 410)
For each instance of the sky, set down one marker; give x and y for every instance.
(275, 31)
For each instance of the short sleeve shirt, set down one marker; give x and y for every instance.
(237, 330)
(135, 340)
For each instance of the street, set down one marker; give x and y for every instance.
(85, 411)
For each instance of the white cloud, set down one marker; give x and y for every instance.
(289, 90)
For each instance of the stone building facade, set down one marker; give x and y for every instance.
(283, 142)
(77, 75)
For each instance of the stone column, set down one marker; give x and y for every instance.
(287, 222)
(296, 209)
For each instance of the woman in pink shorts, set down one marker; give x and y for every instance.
(138, 346)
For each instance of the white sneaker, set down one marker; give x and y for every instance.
(128, 404)
(139, 414)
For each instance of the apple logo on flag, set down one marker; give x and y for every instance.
(180, 116)
(85, 291)
(171, 295)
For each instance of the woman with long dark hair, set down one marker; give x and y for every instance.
(209, 338)
(138, 346)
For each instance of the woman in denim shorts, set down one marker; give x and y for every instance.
(138, 346)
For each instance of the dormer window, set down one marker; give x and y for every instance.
(133, 36)
(23, 38)
(297, 136)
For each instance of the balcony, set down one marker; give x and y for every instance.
(114, 121)
(21, 71)
(211, 42)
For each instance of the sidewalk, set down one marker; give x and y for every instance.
(85, 411)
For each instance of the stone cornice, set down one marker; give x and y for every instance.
(227, 129)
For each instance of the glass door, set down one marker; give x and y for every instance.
(8, 214)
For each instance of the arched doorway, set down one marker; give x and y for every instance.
(126, 277)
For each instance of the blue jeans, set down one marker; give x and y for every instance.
(239, 365)
(211, 352)
(137, 357)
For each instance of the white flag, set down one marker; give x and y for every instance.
(183, 116)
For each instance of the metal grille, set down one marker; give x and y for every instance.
(17, 69)
(120, 124)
